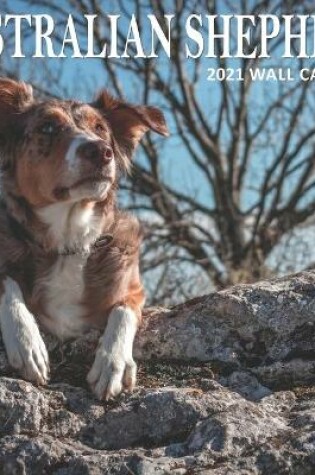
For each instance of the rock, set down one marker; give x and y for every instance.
(226, 386)
(267, 328)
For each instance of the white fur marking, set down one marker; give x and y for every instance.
(24, 345)
(114, 366)
(71, 155)
(71, 225)
(64, 288)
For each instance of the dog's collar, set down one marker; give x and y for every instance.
(23, 234)
(102, 242)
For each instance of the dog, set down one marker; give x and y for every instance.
(69, 257)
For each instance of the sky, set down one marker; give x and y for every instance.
(83, 77)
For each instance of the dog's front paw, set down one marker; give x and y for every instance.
(111, 373)
(27, 352)
(24, 345)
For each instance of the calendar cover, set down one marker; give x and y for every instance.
(157, 184)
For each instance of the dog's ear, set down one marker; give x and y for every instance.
(14, 97)
(129, 122)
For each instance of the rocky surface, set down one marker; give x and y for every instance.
(226, 386)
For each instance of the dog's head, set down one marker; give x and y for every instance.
(65, 150)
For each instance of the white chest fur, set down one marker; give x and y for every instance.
(64, 287)
(71, 226)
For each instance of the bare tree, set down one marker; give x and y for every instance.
(248, 147)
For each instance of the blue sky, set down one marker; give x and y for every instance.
(83, 77)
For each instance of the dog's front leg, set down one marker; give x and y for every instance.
(24, 345)
(114, 367)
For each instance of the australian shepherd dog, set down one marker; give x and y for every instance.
(68, 256)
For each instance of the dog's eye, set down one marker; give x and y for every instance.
(47, 128)
(99, 127)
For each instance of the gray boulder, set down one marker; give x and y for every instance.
(226, 385)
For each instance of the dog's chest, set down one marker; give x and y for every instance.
(64, 289)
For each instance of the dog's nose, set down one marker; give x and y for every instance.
(96, 151)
